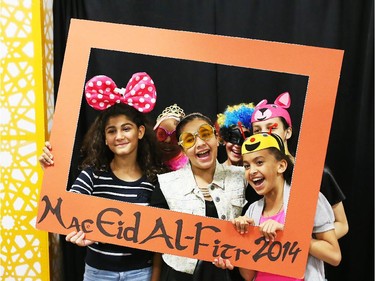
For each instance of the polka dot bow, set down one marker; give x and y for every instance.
(101, 92)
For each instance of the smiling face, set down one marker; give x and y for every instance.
(264, 172)
(122, 135)
(202, 155)
(233, 153)
(169, 145)
(234, 150)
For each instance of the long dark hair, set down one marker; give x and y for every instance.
(279, 155)
(98, 156)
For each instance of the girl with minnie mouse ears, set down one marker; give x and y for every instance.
(120, 150)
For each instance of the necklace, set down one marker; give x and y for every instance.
(268, 215)
(204, 189)
(206, 193)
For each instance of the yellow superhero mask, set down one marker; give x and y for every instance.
(262, 141)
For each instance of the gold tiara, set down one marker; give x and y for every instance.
(173, 110)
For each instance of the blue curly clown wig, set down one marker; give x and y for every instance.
(232, 115)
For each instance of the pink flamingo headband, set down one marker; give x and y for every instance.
(264, 111)
(101, 92)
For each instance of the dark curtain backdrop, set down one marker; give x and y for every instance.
(208, 88)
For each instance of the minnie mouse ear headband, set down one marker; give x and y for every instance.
(172, 111)
(264, 111)
(101, 92)
(262, 141)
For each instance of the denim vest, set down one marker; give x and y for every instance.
(183, 195)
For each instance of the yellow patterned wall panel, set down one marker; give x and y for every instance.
(24, 249)
(48, 63)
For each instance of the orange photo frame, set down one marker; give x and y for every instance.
(177, 233)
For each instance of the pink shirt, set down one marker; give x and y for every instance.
(265, 276)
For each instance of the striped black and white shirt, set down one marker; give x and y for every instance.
(106, 185)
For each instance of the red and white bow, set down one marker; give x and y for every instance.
(101, 92)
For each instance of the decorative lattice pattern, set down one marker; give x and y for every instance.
(24, 250)
(48, 61)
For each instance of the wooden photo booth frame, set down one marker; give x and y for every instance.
(183, 234)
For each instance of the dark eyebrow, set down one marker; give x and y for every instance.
(258, 158)
(267, 124)
(109, 127)
(270, 124)
(122, 125)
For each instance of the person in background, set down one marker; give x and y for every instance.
(202, 187)
(274, 118)
(165, 130)
(268, 169)
(120, 150)
(234, 127)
